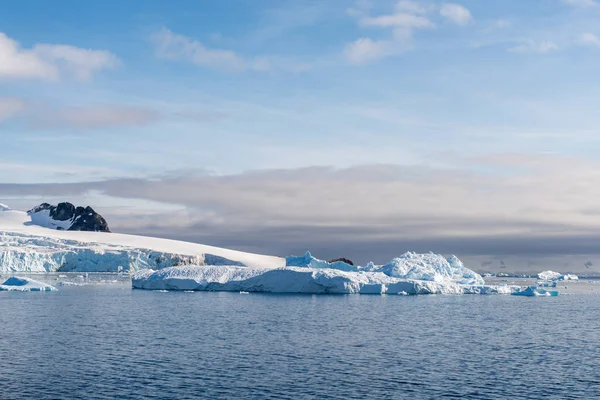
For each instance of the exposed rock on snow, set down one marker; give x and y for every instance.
(25, 285)
(342, 259)
(65, 216)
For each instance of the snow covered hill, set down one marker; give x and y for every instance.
(25, 246)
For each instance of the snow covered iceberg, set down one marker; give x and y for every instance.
(556, 276)
(423, 267)
(534, 291)
(25, 285)
(409, 274)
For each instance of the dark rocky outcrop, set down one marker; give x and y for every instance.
(81, 218)
(345, 260)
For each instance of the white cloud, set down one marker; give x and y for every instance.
(398, 20)
(407, 17)
(51, 61)
(81, 62)
(20, 63)
(533, 47)
(580, 3)
(456, 13)
(589, 39)
(9, 107)
(364, 50)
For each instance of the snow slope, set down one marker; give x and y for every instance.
(25, 246)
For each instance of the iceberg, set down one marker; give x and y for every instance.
(569, 277)
(25, 285)
(549, 275)
(533, 291)
(556, 276)
(410, 274)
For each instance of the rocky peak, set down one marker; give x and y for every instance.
(65, 216)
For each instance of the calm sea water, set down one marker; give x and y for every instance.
(107, 342)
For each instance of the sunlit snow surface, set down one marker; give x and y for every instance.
(27, 247)
(25, 285)
(409, 274)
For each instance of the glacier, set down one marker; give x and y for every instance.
(17, 284)
(26, 246)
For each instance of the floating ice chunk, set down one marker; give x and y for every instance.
(569, 277)
(549, 275)
(533, 291)
(4, 207)
(25, 285)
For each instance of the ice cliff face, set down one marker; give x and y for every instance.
(35, 254)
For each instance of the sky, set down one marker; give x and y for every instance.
(360, 128)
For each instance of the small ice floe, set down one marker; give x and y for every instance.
(402, 294)
(63, 276)
(534, 291)
(242, 292)
(25, 285)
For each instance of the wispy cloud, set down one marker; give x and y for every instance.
(177, 47)
(589, 39)
(90, 117)
(51, 61)
(10, 107)
(580, 3)
(535, 47)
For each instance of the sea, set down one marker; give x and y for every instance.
(99, 339)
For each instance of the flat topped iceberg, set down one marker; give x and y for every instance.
(533, 291)
(25, 285)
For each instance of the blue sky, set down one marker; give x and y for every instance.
(476, 90)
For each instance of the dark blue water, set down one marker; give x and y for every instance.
(106, 342)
